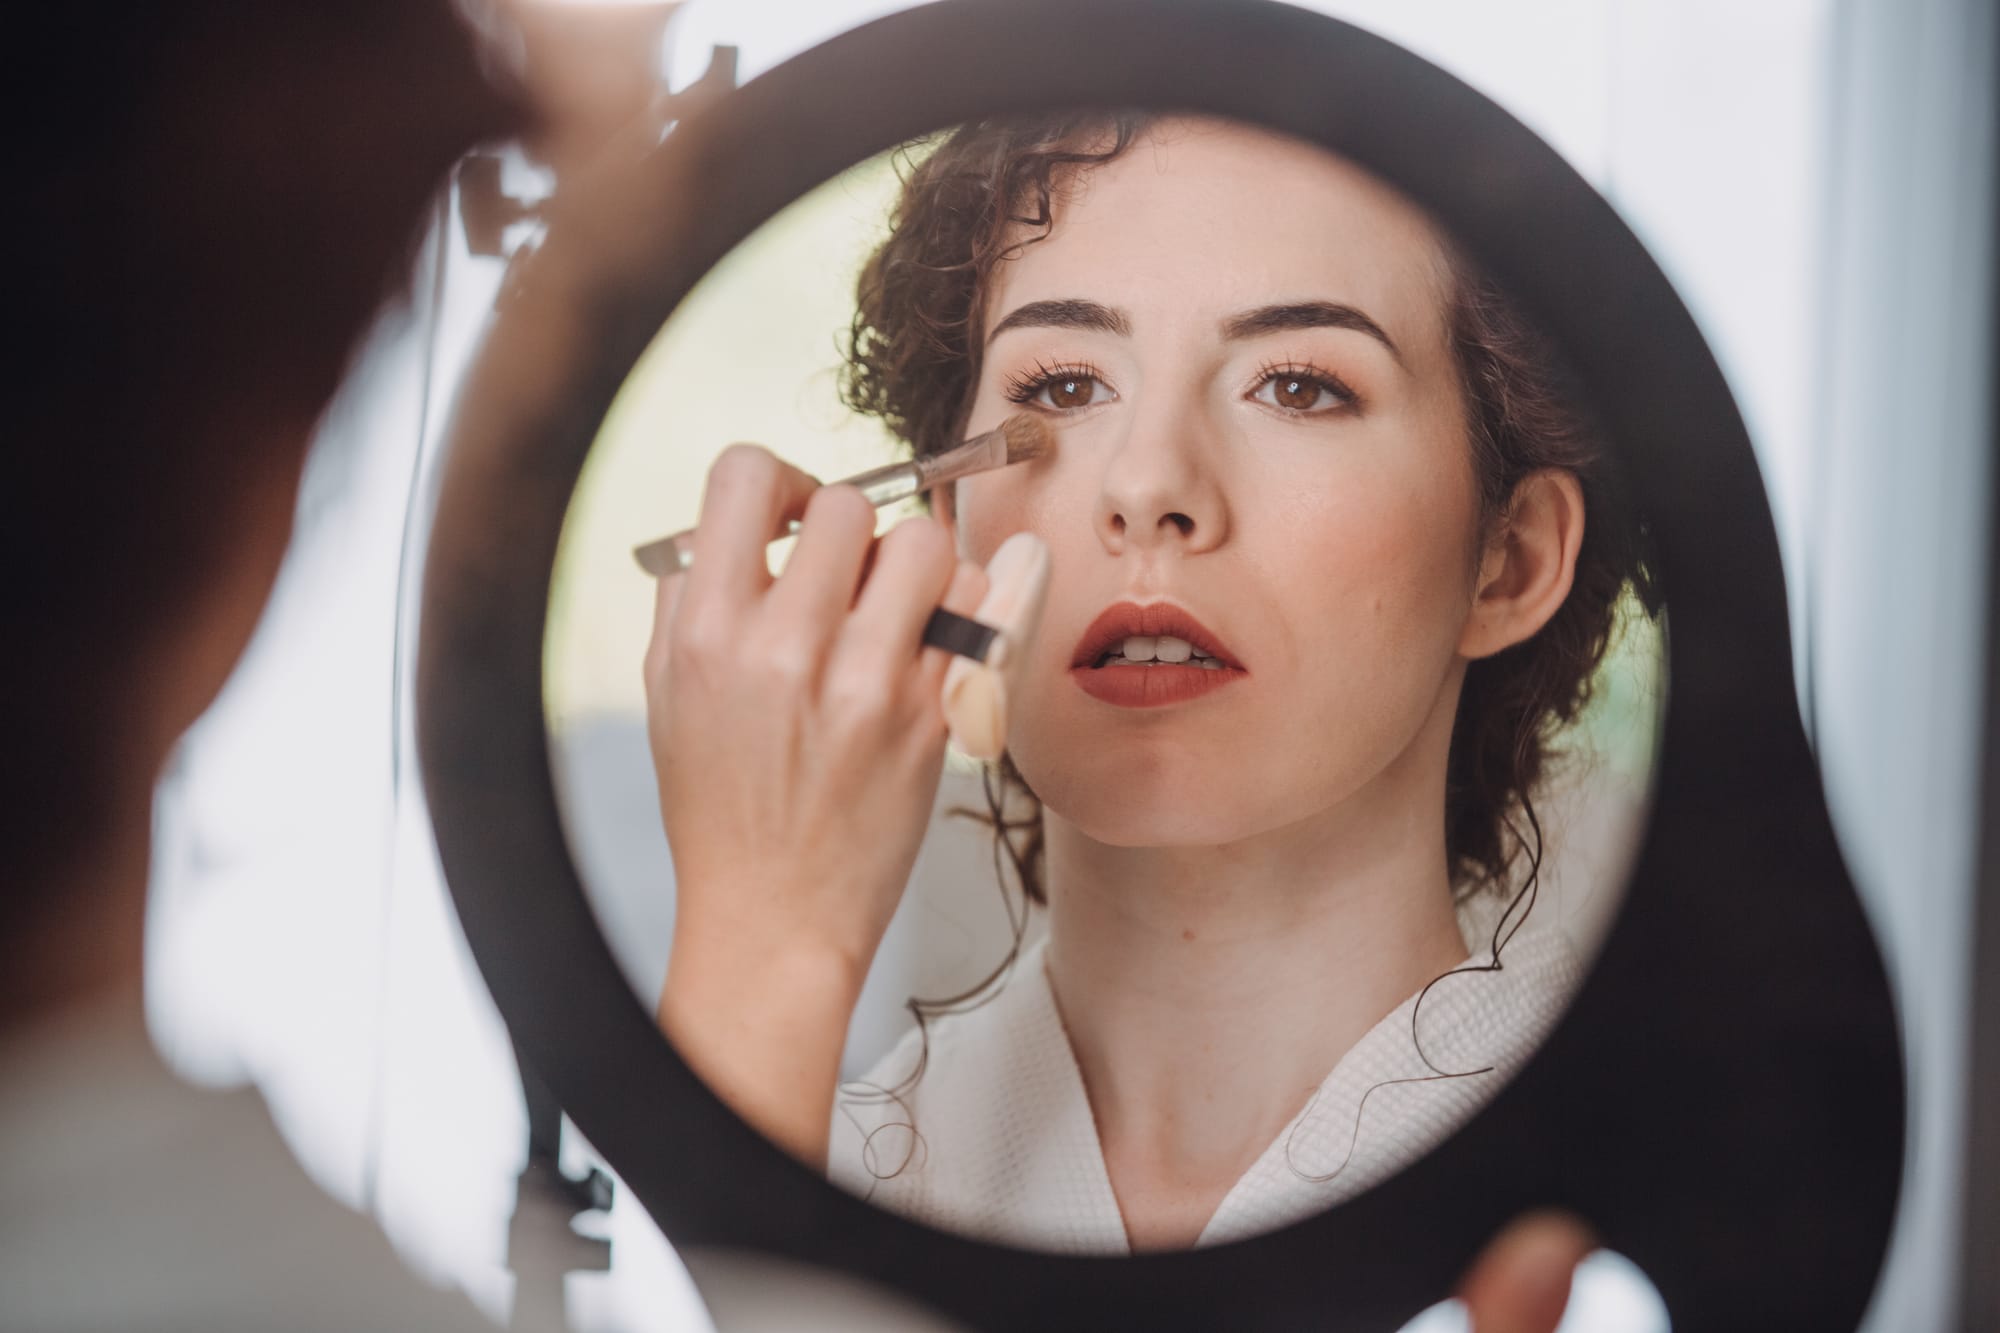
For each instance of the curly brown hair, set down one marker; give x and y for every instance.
(913, 361)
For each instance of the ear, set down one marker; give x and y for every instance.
(1528, 566)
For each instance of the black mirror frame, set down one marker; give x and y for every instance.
(1724, 1100)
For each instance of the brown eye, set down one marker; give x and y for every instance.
(1302, 392)
(1071, 391)
(1295, 392)
(1060, 388)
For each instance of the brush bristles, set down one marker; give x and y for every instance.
(1028, 437)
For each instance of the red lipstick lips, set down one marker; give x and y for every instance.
(1149, 684)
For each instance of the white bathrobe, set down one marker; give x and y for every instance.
(1006, 1149)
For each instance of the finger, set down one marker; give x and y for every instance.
(667, 592)
(911, 572)
(814, 594)
(968, 588)
(1521, 1282)
(749, 494)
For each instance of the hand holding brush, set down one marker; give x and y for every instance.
(797, 725)
(1021, 438)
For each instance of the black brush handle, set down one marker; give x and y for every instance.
(960, 634)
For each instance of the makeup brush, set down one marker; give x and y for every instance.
(1018, 439)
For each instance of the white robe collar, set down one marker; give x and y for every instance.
(1006, 1148)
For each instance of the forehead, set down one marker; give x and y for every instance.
(1203, 217)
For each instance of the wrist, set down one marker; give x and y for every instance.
(756, 969)
(763, 1023)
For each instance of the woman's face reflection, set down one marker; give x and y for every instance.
(1241, 342)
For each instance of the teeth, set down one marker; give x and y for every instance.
(1204, 663)
(1158, 650)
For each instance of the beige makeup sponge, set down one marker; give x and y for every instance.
(976, 693)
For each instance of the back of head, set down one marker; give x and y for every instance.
(218, 196)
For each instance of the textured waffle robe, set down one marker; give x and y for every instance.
(1006, 1148)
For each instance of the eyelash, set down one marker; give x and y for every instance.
(1023, 388)
(1346, 399)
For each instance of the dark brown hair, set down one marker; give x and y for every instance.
(913, 360)
(217, 198)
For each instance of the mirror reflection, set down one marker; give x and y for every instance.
(1280, 819)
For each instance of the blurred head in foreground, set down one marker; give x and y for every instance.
(218, 198)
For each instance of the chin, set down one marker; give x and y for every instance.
(1134, 808)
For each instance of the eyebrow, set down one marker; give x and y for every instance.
(1306, 315)
(1284, 318)
(1073, 314)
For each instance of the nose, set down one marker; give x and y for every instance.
(1160, 487)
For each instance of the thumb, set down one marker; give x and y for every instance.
(1520, 1283)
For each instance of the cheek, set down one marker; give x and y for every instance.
(1402, 547)
(987, 511)
(1371, 579)
(1028, 497)
(1415, 510)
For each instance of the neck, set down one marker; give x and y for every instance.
(1207, 991)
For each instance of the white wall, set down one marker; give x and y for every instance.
(1898, 533)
